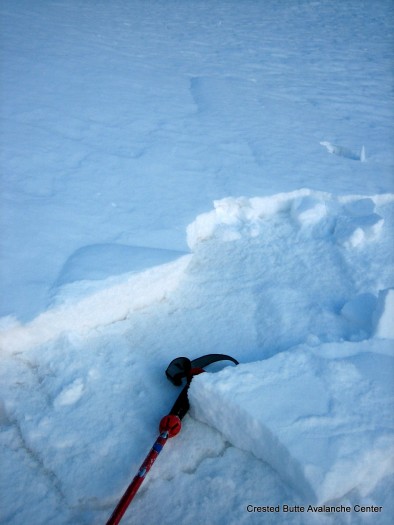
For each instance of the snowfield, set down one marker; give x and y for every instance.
(181, 179)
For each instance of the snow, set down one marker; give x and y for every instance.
(312, 418)
(385, 314)
(132, 293)
(179, 179)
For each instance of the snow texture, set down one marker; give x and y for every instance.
(179, 179)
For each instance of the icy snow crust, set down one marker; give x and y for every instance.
(121, 123)
(286, 284)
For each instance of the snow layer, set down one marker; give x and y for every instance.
(132, 293)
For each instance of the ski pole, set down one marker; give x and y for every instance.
(170, 425)
(132, 489)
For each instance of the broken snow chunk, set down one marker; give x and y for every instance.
(352, 232)
(324, 424)
(201, 229)
(307, 210)
(342, 151)
(384, 315)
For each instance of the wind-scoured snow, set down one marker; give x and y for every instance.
(179, 179)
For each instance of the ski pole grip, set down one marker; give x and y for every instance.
(178, 369)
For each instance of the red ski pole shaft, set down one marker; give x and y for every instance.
(132, 489)
(170, 425)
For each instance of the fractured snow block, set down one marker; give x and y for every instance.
(353, 231)
(344, 152)
(308, 210)
(384, 315)
(324, 424)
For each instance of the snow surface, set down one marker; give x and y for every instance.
(182, 179)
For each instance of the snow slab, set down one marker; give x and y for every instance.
(82, 310)
(323, 422)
